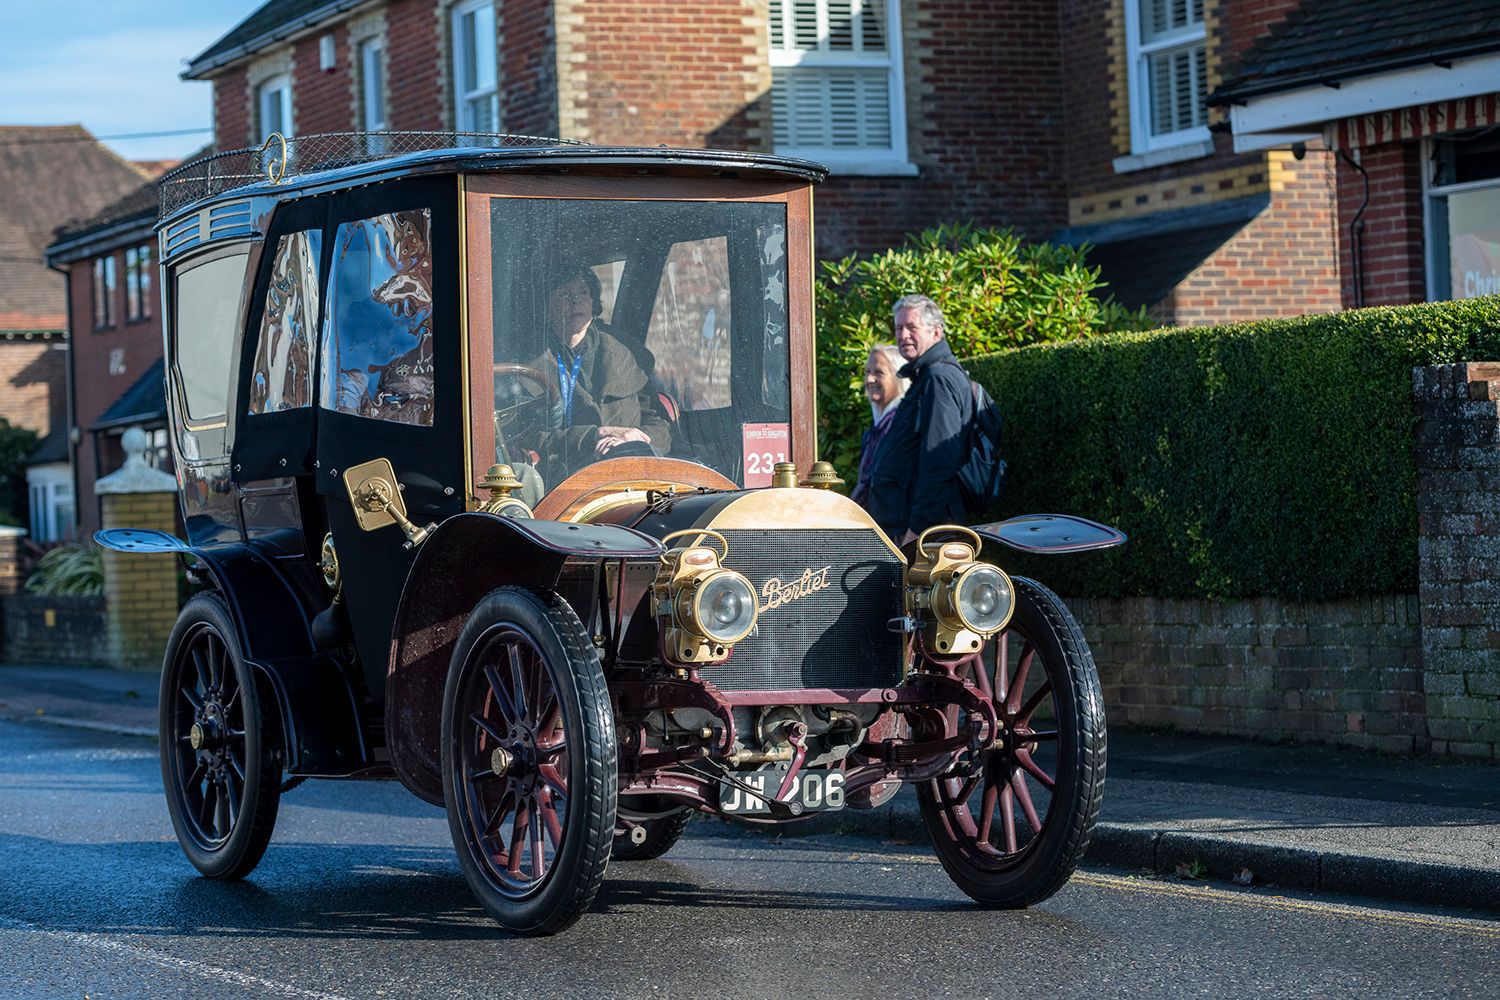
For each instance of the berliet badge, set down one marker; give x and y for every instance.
(774, 593)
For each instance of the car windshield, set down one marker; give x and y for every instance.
(639, 328)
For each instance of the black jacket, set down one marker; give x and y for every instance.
(914, 484)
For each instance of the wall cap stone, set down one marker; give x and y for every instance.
(136, 476)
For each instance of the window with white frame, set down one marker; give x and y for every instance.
(476, 100)
(836, 81)
(274, 105)
(1166, 45)
(372, 79)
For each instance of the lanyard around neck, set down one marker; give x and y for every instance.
(566, 383)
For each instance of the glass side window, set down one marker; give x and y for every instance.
(282, 378)
(377, 337)
(208, 302)
(638, 328)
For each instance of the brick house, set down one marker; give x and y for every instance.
(109, 260)
(48, 175)
(1128, 124)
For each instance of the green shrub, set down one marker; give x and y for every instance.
(15, 444)
(1271, 458)
(68, 571)
(995, 292)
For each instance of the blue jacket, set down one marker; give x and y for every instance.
(914, 483)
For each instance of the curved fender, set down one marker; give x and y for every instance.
(319, 709)
(1051, 534)
(468, 556)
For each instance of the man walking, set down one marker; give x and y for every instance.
(914, 482)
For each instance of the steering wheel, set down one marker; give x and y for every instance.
(524, 401)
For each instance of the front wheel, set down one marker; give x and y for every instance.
(529, 760)
(1011, 823)
(220, 744)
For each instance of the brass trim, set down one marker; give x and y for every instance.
(812, 310)
(275, 170)
(814, 509)
(329, 563)
(471, 501)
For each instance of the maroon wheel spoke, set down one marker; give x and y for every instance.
(549, 721)
(987, 811)
(1024, 758)
(502, 696)
(518, 680)
(1024, 715)
(518, 839)
(549, 818)
(968, 787)
(982, 678)
(502, 809)
(1002, 667)
(1018, 686)
(553, 780)
(538, 850)
(1023, 795)
(1008, 819)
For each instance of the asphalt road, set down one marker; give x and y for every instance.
(360, 895)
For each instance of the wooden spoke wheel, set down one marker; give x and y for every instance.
(221, 748)
(529, 760)
(1011, 823)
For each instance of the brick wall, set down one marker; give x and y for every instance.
(53, 629)
(528, 68)
(95, 388)
(140, 590)
(33, 382)
(1392, 257)
(1284, 263)
(232, 125)
(416, 77)
(1347, 672)
(1458, 504)
(322, 100)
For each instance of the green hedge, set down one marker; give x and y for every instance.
(1271, 458)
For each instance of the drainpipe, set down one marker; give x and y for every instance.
(1357, 233)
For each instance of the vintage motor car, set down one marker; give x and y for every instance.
(497, 463)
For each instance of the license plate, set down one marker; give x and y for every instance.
(812, 791)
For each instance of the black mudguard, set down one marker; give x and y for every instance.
(1051, 534)
(318, 705)
(468, 556)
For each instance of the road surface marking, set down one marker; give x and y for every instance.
(143, 953)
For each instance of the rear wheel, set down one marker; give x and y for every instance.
(1011, 823)
(529, 765)
(220, 744)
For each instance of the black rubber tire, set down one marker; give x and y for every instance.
(545, 628)
(661, 835)
(1042, 865)
(225, 817)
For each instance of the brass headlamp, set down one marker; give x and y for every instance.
(705, 608)
(500, 480)
(961, 601)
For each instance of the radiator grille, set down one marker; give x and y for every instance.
(835, 637)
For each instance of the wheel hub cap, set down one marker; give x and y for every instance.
(500, 761)
(195, 736)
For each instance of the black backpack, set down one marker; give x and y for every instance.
(982, 476)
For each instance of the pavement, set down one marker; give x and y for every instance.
(1302, 816)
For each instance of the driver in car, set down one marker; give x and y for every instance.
(605, 407)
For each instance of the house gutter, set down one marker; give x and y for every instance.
(1432, 57)
(201, 67)
(86, 244)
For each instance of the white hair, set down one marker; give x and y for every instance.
(893, 357)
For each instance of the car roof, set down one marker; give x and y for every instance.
(330, 162)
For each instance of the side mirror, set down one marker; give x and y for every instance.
(377, 501)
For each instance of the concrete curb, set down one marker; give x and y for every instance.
(1122, 845)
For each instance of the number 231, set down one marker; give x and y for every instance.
(763, 461)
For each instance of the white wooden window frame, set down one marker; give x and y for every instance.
(372, 85)
(463, 120)
(1137, 56)
(276, 89)
(841, 160)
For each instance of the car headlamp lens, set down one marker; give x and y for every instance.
(983, 599)
(724, 608)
